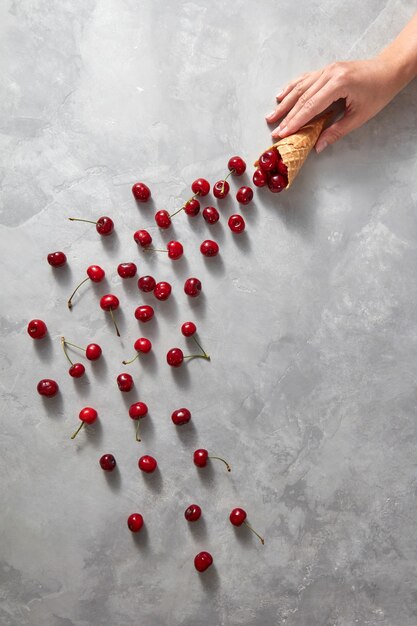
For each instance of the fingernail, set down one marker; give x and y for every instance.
(279, 94)
(281, 130)
(322, 145)
(269, 115)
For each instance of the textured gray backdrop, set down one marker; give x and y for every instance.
(310, 319)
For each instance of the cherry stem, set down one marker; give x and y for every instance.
(198, 356)
(131, 361)
(137, 432)
(224, 180)
(76, 289)
(114, 322)
(63, 342)
(154, 249)
(78, 219)
(201, 348)
(77, 431)
(185, 204)
(229, 469)
(68, 343)
(254, 531)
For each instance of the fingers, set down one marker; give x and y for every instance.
(335, 132)
(292, 93)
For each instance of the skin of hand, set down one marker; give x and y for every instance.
(367, 86)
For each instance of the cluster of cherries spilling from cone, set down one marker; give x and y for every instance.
(272, 171)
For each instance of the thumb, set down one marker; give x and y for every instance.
(335, 132)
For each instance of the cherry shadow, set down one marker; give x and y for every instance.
(206, 474)
(63, 275)
(82, 386)
(146, 430)
(181, 375)
(187, 433)
(99, 367)
(94, 433)
(150, 328)
(54, 406)
(141, 539)
(210, 579)
(154, 480)
(168, 308)
(250, 212)
(242, 241)
(111, 243)
(216, 231)
(43, 348)
(130, 286)
(199, 302)
(245, 536)
(113, 479)
(198, 529)
(215, 265)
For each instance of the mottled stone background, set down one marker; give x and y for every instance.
(310, 319)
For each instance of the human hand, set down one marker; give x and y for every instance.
(366, 86)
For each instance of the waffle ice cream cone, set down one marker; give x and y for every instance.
(295, 149)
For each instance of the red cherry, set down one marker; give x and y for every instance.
(192, 513)
(201, 186)
(93, 351)
(107, 462)
(244, 195)
(202, 561)
(201, 457)
(144, 313)
(277, 183)
(236, 223)
(126, 270)
(209, 248)
(147, 464)
(192, 287)
(141, 192)
(238, 517)
(143, 238)
(142, 345)
(163, 219)
(146, 283)
(104, 226)
(181, 417)
(47, 387)
(211, 215)
(109, 302)
(37, 329)
(175, 250)
(162, 290)
(188, 329)
(76, 370)
(95, 273)
(56, 259)
(282, 168)
(221, 189)
(138, 410)
(87, 415)
(175, 357)
(268, 161)
(259, 178)
(236, 165)
(192, 207)
(125, 382)
(135, 522)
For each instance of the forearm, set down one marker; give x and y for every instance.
(400, 57)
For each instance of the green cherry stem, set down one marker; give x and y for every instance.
(68, 343)
(63, 344)
(154, 249)
(254, 531)
(229, 469)
(131, 360)
(137, 432)
(76, 289)
(201, 348)
(185, 204)
(78, 219)
(224, 179)
(77, 431)
(198, 356)
(114, 322)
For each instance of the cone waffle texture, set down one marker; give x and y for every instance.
(295, 149)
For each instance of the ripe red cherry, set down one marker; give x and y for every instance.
(104, 226)
(192, 287)
(277, 183)
(110, 303)
(142, 346)
(268, 161)
(135, 522)
(125, 382)
(95, 273)
(202, 561)
(244, 195)
(201, 186)
(107, 462)
(163, 219)
(143, 238)
(144, 313)
(37, 329)
(47, 387)
(211, 214)
(87, 415)
(162, 290)
(126, 270)
(146, 284)
(56, 259)
(76, 370)
(192, 513)
(175, 357)
(236, 223)
(141, 192)
(259, 178)
(221, 189)
(147, 464)
(282, 168)
(192, 207)
(236, 165)
(137, 411)
(175, 250)
(209, 248)
(238, 517)
(188, 329)
(93, 351)
(201, 457)
(181, 416)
